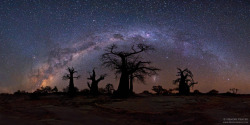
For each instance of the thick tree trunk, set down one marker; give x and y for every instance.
(123, 88)
(94, 89)
(183, 88)
(71, 84)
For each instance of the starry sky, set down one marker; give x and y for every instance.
(39, 39)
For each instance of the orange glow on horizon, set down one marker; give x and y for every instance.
(46, 82)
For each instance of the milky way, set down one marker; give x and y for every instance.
(40, 39)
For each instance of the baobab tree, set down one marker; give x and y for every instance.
(185, 81)
(70, 76)
(120, 61)
(94, 82)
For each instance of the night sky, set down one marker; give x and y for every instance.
(39, 39)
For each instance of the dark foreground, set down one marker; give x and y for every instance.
(82, 110)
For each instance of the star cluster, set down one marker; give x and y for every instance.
(40, 38)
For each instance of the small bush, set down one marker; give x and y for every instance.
(197, 92)
(18, 92)
(213, 92)
(146, 92)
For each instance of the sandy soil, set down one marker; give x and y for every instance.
(173, 110)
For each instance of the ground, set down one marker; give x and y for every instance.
(141, 110)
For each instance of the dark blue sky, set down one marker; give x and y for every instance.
(40, 38)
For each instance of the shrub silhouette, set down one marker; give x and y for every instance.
(19, 92)
(197, 92)
(146, 92)
(185, 81)
(213, 92)
(44, 90)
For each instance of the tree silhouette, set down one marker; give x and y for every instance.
(70, 76)
(94, 82)
(158, 89)
(120, 61)
(185, 81)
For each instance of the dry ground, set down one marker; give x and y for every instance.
(61, 110)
